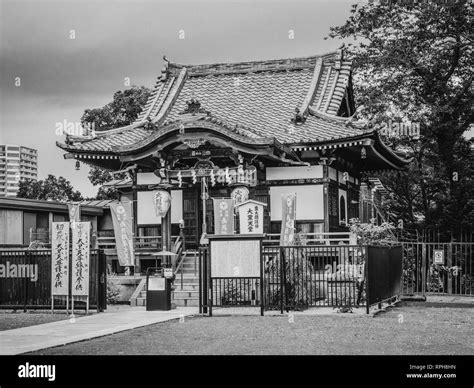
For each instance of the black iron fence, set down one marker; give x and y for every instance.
(438, 268)
(299, 277)
(25, 281)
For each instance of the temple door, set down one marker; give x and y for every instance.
(191, 217)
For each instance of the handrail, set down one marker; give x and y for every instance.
(319, 237)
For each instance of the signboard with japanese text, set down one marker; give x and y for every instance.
(251, 217)
(288, 220)
(80, 258)
(60, 258)
(223, 216)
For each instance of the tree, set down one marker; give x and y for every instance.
(122, 111)
(52, 188)
(414, 62)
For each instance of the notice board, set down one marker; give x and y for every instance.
(235, 258)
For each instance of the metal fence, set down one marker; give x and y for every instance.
(26, 281)
(299, 277)
(438, 268)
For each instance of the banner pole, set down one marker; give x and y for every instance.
(72, 304)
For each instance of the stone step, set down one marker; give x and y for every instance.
(186, 287)
(187, 302)
(186, 295)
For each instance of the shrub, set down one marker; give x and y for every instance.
(113, 292)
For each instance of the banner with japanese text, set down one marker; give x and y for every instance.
(123, 229)
(288, 219)
(60, 258)
(223, 216)
(80, 258)
(74, 212)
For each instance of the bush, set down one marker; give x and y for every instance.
(113, 293)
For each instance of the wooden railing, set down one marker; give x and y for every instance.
(140, 243)
(328, 238)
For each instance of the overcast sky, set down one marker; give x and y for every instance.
(60, 76)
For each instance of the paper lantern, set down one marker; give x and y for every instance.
(162, 201)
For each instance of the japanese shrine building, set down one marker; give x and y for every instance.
(272, 127)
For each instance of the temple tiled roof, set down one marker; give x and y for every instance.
(260, 96)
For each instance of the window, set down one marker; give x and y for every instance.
(342, 208)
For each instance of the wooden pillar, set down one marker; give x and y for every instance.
(166, 230)
(326, 198)
(137, 267)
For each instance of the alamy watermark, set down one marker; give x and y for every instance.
(400, 129)
(74, 128)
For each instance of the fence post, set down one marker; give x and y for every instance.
(367, 306)
(205, 298)
(282, 284)
(27, 254)
(449, 263)
(200, 281)
(423, 269)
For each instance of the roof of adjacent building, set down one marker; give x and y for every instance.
(87, 207)
(259, 99)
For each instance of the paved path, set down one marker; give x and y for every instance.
(31, 338)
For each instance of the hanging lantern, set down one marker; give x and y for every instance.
(162, 202)
(363, 153)
(78, 165)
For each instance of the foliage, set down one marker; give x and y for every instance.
(113, 292)
(414, 63)
(371, 233)
(122, 111)
(298, 290)
(52, 189)
(232, 294)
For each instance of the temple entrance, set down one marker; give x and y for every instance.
(194, 209)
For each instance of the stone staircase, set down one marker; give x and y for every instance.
(186, 295)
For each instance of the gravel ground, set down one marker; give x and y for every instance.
(14, 319)
(412, 328)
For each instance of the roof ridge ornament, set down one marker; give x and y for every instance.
(193, 107)
(298, 117)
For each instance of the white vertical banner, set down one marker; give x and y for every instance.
(80, 258)
(60, 258)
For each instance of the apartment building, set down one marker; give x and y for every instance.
(16, 163)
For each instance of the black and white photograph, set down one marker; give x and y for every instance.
(235, 178)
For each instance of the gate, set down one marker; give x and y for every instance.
(438, 268)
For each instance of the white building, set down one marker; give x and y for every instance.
(16, 163)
